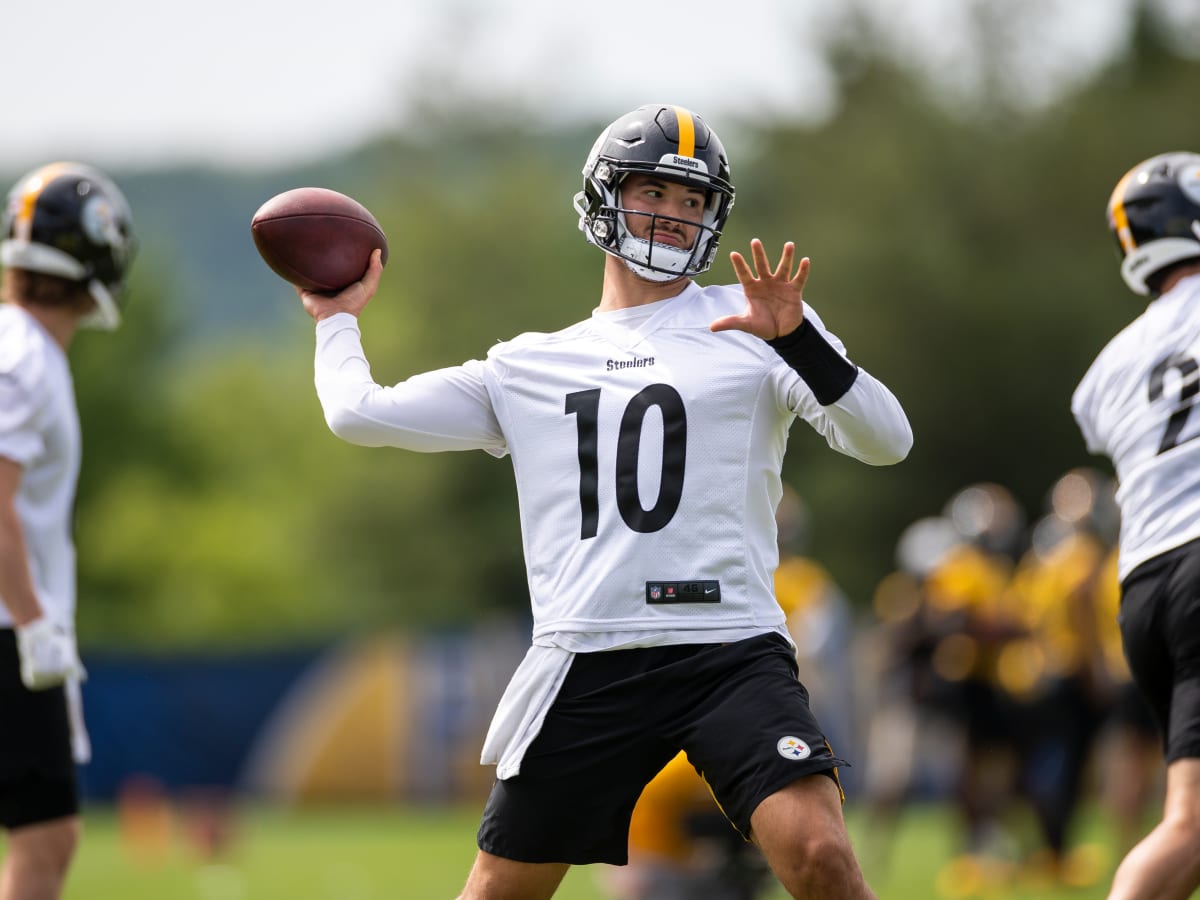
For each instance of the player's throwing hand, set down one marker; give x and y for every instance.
(774, 297)
(351, 300)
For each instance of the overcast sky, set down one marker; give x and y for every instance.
(133, 83)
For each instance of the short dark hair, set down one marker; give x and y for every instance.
(38, 289)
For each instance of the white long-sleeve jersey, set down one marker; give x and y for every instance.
(1137, 405)
(647, 453)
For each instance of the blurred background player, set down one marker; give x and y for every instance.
(942, 724)
(1135, 405)
(973, 626)
(1056, 672)
(66, 245)
(912, 741)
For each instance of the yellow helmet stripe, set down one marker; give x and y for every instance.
(687, 132)
(33, 187)
(1120, 220)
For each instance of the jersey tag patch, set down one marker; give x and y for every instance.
(683, 592)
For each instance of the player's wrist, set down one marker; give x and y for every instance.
(823, 368)
(38, 624)
(323, 320)
(321, 315)
(48, 654)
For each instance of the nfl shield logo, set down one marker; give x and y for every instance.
(655, 591)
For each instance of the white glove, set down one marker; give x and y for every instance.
(48, 654)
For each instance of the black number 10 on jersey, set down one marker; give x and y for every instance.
(585, 406)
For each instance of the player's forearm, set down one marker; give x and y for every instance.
(16, 585)
(855, 412)
(868, 423)
(827, 372)
(447, 409)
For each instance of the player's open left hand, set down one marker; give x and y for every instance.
(774, 297)
(353, 299)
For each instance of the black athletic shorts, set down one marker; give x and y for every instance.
(37, 771)
(737, 709)
(1160, 628)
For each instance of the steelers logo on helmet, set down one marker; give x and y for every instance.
(99, 221)
(676, 145)
(70, 220)
(1154, 216)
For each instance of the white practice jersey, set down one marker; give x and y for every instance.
(1137, 406)
(39, 428)
(647, 453)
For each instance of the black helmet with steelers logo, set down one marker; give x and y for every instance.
(72, 221)
(1154, 214)
(676, 145)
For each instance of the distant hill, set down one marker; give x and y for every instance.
(193, 223)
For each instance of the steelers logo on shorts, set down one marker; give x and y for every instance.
(793, 748)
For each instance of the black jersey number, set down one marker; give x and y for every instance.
(585, 406)
(1188, 386)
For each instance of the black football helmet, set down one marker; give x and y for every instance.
(1154, 214)
(988, 515)
(71, 220)
(677, 144)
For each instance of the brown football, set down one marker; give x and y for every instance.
(317, 239)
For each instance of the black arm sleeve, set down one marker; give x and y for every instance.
(823, 369)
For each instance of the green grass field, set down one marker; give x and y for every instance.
(424, 854)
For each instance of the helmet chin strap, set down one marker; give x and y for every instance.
(649, 274)
(106, 316)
